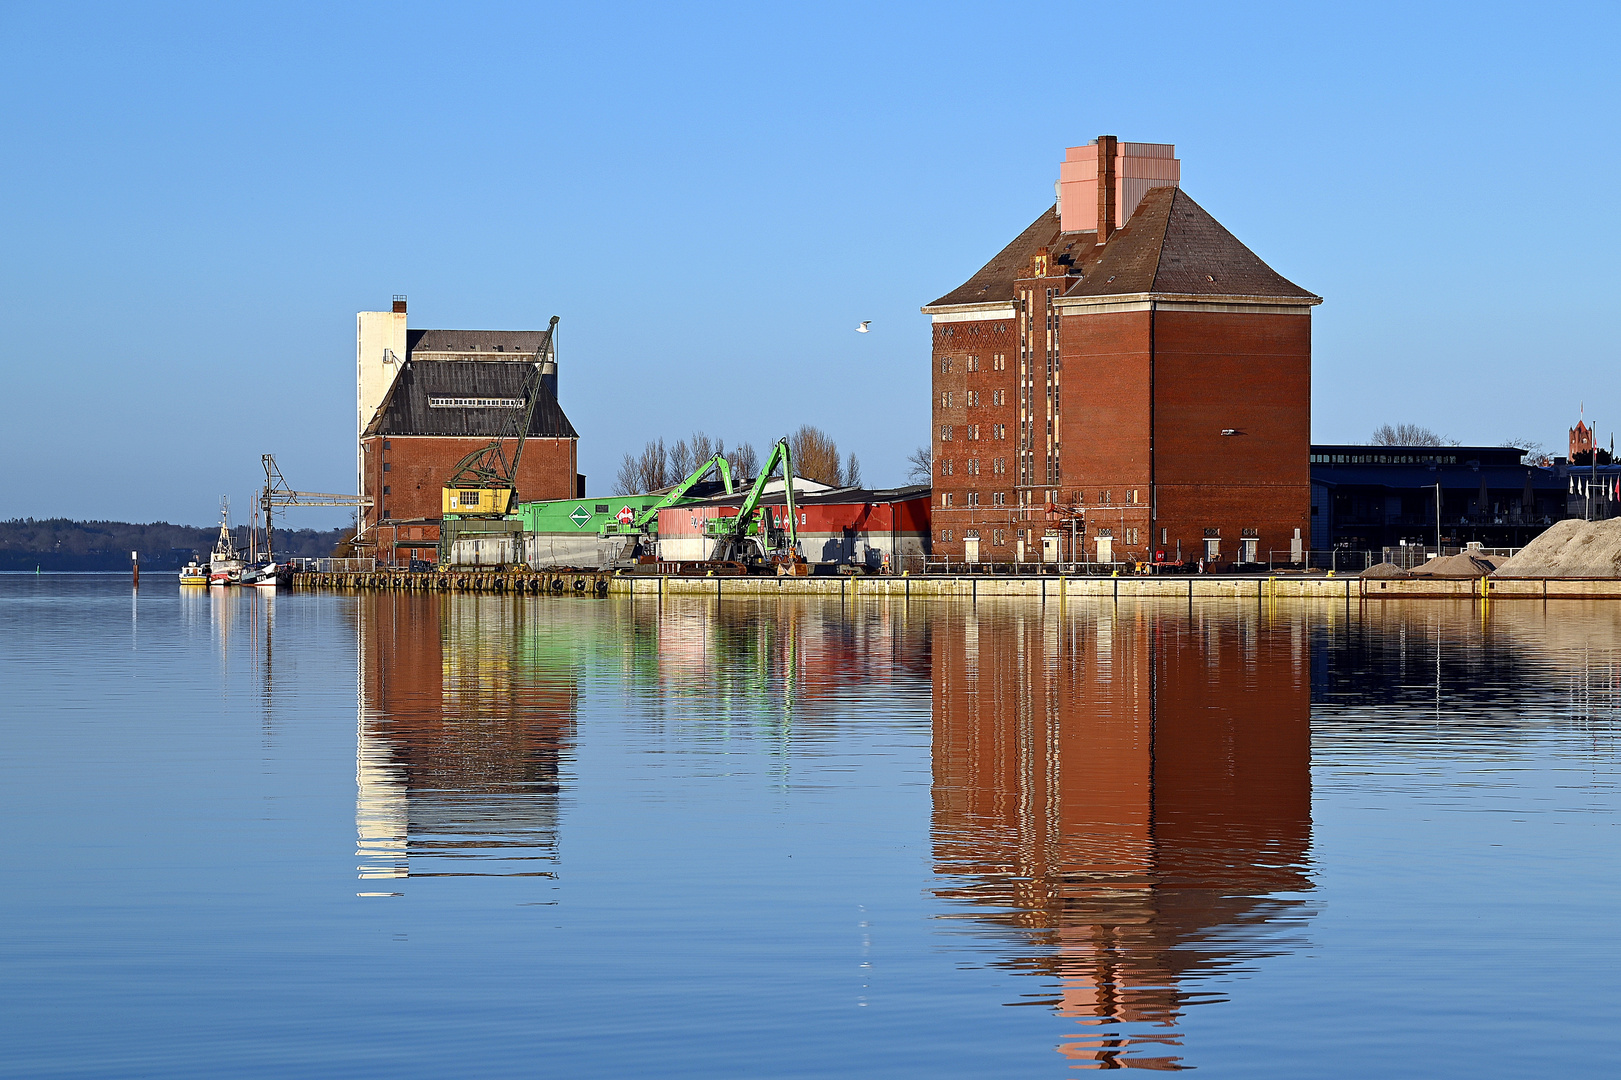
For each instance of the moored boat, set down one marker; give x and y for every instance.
(267, 576)
(225, 564)
(194, 573)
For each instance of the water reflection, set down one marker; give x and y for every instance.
(467, 710)
(1124, 797)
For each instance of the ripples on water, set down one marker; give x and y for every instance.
(419, 835)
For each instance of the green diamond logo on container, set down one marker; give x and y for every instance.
(580, 516)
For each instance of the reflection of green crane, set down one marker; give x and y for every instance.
(755, 538)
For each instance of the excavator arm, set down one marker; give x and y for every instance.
(674, 495)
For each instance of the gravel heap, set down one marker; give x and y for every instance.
(1570, 549)
(1385, 570)
(1466, 564)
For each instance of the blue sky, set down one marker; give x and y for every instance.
(197, 199)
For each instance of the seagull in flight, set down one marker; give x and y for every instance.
(862, 329)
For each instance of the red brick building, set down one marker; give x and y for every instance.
(1125, 381)
(454, 392)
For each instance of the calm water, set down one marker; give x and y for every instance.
(319, 835)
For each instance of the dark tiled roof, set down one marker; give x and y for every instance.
(994, 281)
(1170, 245)
(521, 342)
(406, 410)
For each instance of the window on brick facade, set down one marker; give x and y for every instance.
(385, 489)
(386, 466)
(973, 398)
(945, 365)
(945, 499)
(998, 498)
(945, 432)
(946, 465)
(1106, 497)
(973, 431)
(973, 498)
(945, 399)
(973, 361)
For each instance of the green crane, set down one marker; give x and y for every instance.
(750, 537)
(647, 522)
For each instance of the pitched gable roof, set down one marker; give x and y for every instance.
(408, 408)
(470, 343)
(1170, 245)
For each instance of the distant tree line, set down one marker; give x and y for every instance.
(657, 466)
(63, 544)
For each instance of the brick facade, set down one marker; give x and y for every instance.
(1152, 391)
(404, 474)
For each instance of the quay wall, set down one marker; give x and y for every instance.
(965, 587)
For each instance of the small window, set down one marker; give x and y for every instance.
(385, 489)
(601, 508)
(386, 466)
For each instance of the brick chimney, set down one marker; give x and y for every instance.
(1107, 147)
(399, 303)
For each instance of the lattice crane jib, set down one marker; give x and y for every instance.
(485, 482)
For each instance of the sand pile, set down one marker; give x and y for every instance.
(1385, 570)
(1466, 564)
(1570, 549)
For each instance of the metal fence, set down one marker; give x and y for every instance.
(946, 564)
(345, 566)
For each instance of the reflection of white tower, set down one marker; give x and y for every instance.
(381, 824)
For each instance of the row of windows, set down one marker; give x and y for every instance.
(1384, 459)
(998, 498)
(971, 432)
(971, 466)
(998, 363)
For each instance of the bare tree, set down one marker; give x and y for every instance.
(681, 460)
(704, 448)
(745, 461)
(1405, 435)
(852, 471)
(1532, 451)
(647, 471)
(816, 456)
(921, 465)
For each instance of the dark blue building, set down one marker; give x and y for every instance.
(1365, 498)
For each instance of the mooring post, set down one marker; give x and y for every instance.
(135, 569)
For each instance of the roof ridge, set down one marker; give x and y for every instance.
(1159, 249)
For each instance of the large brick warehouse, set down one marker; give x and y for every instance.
(426, 399)
(1125, 378)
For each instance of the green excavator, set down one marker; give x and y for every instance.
(755, 537)
(642, 531)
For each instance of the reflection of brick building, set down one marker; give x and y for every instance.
(1128, 790)
(466, 709)
(1128, 357)
(427, 399)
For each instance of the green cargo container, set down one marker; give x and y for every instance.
(594, 516)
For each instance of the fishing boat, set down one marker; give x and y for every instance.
(265, 576)
(225, 564)
(194, 573)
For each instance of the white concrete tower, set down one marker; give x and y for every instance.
(379, 355)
